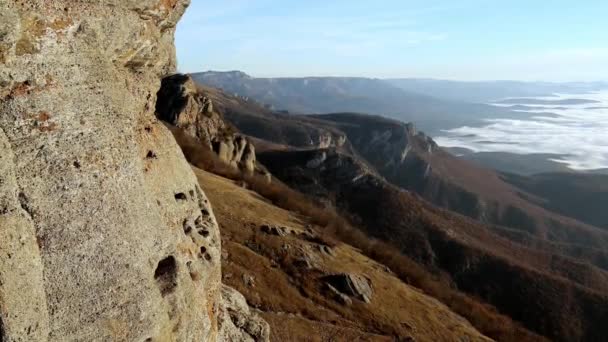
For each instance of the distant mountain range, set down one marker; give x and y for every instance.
(318, 95)
(434, 105)
(488, 91)
(288, 92)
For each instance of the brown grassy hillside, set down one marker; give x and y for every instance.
(526, 284)
(292, 297)
(335, 228)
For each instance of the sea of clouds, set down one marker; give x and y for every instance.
(579, 133)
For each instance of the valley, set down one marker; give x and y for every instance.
(361, 165)
(567, 127)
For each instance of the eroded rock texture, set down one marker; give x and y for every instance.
(183, 105)
(238, 322)
(105, 234)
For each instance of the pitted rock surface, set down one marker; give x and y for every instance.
(105, 234)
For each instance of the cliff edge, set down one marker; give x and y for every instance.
(105, 233)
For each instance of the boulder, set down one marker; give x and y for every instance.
(353, 285)
(275, 230)
(306, 257)
(238, 322)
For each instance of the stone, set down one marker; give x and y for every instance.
(353, 285)
(305, 257)
(238, 322)
(327, 250)
(248, 280)
(275, 230)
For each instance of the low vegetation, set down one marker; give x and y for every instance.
(338, 229)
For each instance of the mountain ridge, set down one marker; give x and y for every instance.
(352, 94)
(348, 171)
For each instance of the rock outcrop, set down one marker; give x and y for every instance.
(182, 105)
(105, 234)
(238, 322)
(353, 285)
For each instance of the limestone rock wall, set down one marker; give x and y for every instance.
(105, 234)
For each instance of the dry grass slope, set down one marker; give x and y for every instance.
(335, 228)
(292, 297)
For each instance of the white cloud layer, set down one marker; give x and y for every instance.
(579, 133)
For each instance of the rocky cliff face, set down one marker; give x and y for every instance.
(105, 234)
(183, 105)
(412, 160)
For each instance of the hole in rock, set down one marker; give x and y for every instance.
(204, 233)
(151, 155)
(180, 196)
(166, 275)
(187, 227)
(203, 249)
(23, 201)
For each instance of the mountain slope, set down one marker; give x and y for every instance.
(336, 229)
(582, 196)
(268, 269)
(411, 160)
(472, 256)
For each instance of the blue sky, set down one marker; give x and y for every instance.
(554, 40)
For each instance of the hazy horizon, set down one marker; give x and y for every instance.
(392, 78)
(472, 40)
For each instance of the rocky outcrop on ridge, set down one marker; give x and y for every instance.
(181, 104)
(105, 234)
(255, 120)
